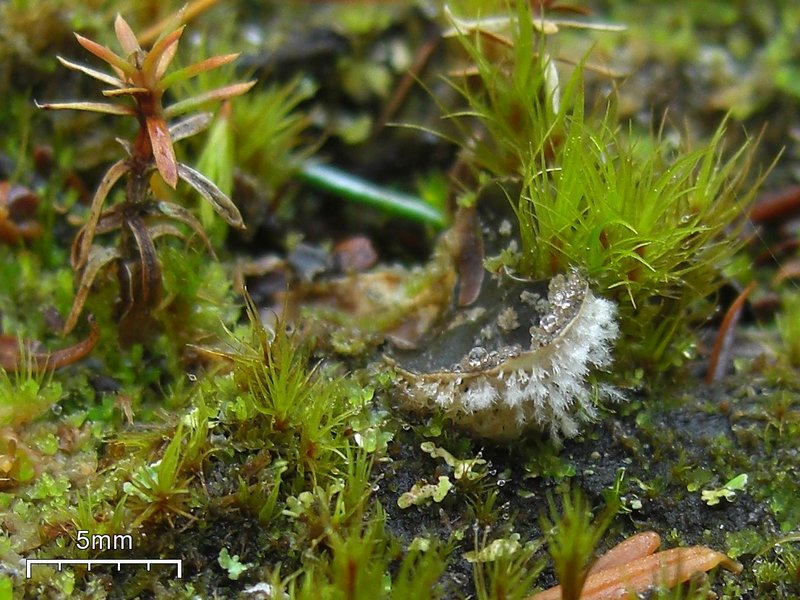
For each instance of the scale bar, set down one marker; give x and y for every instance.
(103, 561)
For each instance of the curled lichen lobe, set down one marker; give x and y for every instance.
(543, 384)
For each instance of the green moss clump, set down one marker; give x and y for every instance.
(652, 225)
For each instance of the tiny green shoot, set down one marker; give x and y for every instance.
(728, 491)
(231, 564)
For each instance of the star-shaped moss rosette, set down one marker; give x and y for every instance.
(142, 75)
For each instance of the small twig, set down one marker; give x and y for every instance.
(777, 205)
(722, 345)
(16, 355)
(409, 78)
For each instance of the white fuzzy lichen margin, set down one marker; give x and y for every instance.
(502, 393)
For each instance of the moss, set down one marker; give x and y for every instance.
(645, 221)
(225, 437)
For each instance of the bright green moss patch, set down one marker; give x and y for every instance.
(650, 222)
(269, 451)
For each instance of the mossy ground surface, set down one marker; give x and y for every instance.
(270, 464)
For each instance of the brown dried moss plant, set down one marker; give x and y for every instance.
(142, 217)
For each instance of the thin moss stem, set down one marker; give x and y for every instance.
(350, 187)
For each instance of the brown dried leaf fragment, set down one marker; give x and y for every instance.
(632, 568)
(637, 546)
(468, 255)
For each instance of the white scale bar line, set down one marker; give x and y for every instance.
(59, 562)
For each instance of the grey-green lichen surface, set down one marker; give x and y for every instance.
(527, 362)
